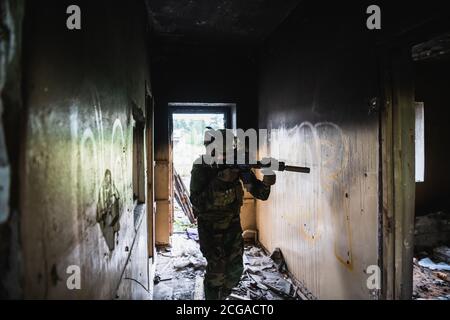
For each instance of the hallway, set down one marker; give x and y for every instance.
(102, 101)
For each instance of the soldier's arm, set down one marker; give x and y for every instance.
(256, 187)
(199, 187)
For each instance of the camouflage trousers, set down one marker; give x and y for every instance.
(222, 245)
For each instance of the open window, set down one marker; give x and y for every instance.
(420, 142)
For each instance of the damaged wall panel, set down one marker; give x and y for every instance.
(77, 175)
(315, 100)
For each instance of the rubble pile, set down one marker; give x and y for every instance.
(187, 254)
(265, 278)
(177, 269)
(181, 266)
(431, 275)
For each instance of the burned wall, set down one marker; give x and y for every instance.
(432, 79)
(316, 91)
(77, 199)
(207, 73)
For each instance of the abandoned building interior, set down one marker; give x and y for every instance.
(99, 126)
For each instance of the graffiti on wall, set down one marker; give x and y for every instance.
(108, 209)
(103, 171)
(321, 194)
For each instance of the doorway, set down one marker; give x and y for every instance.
(414, 190)
(431, 263)
(179, 271)
(188, 124)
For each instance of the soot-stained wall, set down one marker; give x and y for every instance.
(207, 73)
(318, 76)
(77, 197)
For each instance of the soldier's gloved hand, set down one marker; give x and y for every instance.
(269, 177)
(246, 176)
(228, 175)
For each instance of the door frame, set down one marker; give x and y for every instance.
(397, 155)
(149, 145)
(397, 165)
(228, 109)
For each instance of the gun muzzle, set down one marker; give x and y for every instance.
(297, 169)
(284, 167)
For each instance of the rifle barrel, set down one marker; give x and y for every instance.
(297, 169)
(283, 167)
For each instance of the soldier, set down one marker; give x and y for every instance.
(217, 196)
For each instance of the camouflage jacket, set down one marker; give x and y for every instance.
(210, 195)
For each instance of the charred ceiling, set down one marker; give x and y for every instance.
(206, 21)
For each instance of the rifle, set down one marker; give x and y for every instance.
(282, 166)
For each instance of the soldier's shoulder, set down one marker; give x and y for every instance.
(199, 165)
(199, 160)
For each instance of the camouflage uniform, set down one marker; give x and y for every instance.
(217, 205)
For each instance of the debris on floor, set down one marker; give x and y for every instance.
(177, 270)
(431, 278)
(180, 272)
(192, 233)
(427, 263)
(431, 266)
(262, 279)
(181, 222)
(442, 253)
(182, 196)
(278, 259)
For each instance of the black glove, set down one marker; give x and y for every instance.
(246, 176)
(269, 179)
